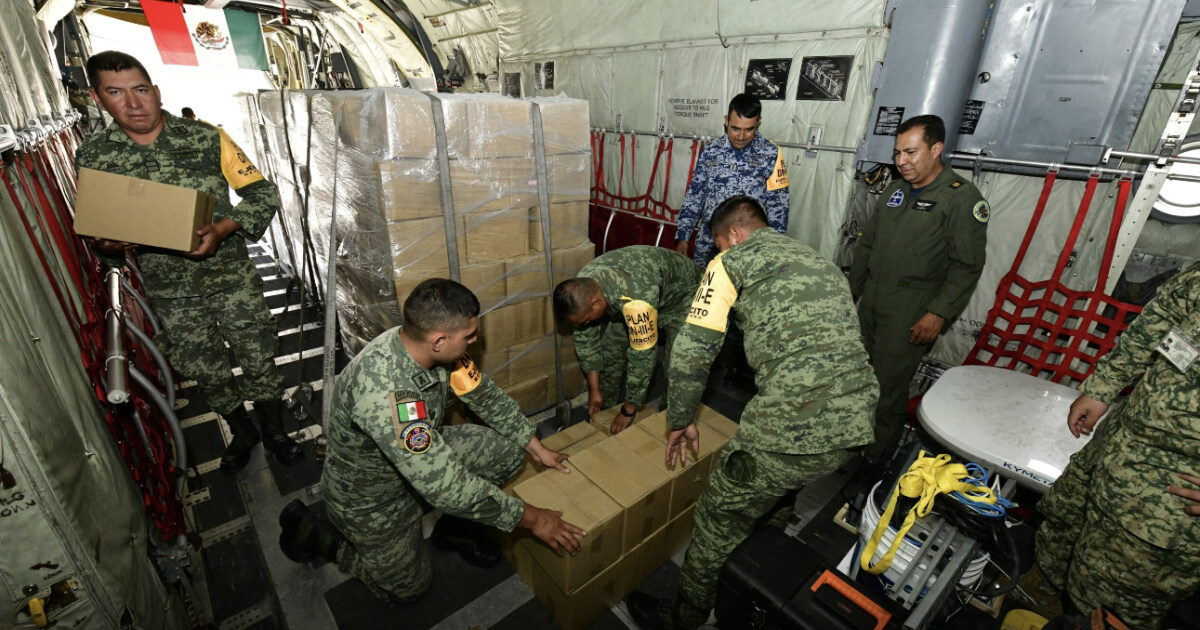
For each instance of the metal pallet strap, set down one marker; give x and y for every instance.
(563, 406)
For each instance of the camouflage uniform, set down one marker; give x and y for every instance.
(649, 290)
(381, 464)
(204, 302)
(919, 253)
(1112, 534)
(815, 391)
(721, 172)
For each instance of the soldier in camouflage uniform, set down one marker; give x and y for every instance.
(739, 163)
(1117, 531)
(213, 295)
(915, 266)
(815, 394)
(389, 449)
(626, 307)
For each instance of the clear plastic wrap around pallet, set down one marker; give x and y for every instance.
(369, 160)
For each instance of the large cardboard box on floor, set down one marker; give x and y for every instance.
(711, 440)
(586, 506)
(641, 489)
(687, 480)
(574, 610)
(123, 208)
(569, 441)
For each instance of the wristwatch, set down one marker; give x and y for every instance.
(627, 415)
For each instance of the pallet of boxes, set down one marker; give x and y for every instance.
(421, 184)
(636, 510)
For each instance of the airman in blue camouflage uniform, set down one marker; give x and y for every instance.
(211, 296)
(1117, 531)
(741, 162)
(626, 307)
(389, 449)
(816, 392)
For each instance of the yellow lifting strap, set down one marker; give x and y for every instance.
(924, 480)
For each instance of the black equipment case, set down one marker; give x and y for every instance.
(776, 582)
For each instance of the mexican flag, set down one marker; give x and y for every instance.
(198, 36)
(411, 411)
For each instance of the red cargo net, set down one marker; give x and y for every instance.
(1044, 328)
(649, 203)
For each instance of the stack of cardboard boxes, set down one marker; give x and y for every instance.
(636, 510)
(371, 157)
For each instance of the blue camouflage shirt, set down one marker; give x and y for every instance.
(722, 172)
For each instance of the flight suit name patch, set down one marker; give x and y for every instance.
(896, 199)
(924, 206)
(641, 320)
(714, 298)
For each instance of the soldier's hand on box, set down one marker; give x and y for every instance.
(549, 527)
(1188, 493)
(595, 403)
(679, 442)
(211, 236)
(1085, 413)
(926, 329)
(545, 456)
(107, 247)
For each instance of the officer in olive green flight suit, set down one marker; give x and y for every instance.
(211, 296)
(816, 392)
(388, 449)
(1117, 532)
(626, 307)
(915, 266)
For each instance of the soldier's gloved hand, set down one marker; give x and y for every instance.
(549, 527)
(1188, 493)
(678, 443)
(1085, 413)
(545, 456)
(595, 403)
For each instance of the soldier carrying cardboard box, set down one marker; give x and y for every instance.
(626, 307)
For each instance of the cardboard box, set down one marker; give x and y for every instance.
(486, 281)
(532, 395)
(568, 261)
(515, 324)
(487, 126)
(687, 481)
(528, 360)
(643, 490)
(387, 122)
(122, 208)
(570, 177)
(412, 189)
(419, 249)
(496, 235)
(565, 124)
(526, 277)
(711, 441)
(603, 419)
(570, 440)
(584, 505)
(568, 226)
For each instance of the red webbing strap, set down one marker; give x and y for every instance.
(1118, 216)
(1038, 211)
(70, 314)
(62, 215)
(667, 178)
(598, 165)
(44, 218)
(629, 203)
(1080, 216)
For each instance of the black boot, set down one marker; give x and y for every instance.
(245, 436)
(306, 535)
(468, 539)
(275, 439)
(652, 613)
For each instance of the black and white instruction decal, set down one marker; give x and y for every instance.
(888, 120)
(824, 78)
(767, 78)
(544, 71)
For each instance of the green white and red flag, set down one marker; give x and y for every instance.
(198, 36)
